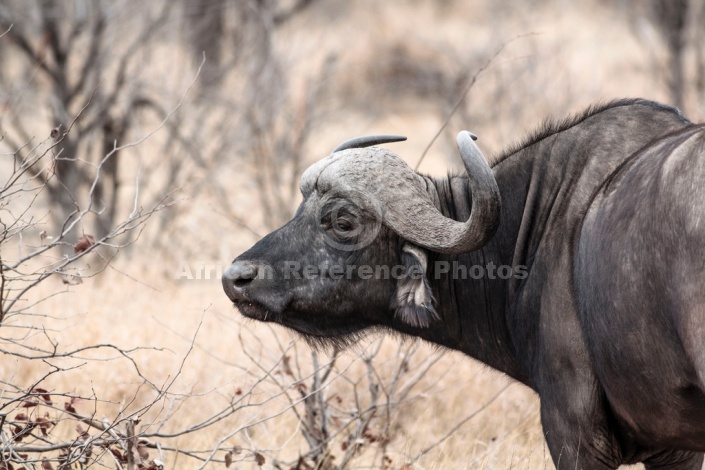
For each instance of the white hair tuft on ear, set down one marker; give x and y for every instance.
(413, 302)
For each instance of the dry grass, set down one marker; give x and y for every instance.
(157, 312)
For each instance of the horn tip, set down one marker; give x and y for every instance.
(470, 134)
(367, 141)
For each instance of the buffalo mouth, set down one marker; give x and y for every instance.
(318, 333)
(255, 311)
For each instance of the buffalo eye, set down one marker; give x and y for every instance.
(342, 225)
(341, 220)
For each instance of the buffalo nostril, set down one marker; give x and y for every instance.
(241, 273)
(246, 277)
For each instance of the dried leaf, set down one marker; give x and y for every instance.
(118, 455)
(142, 451)
(148, 466)
(286, 365)
(63, 459)
(44, 425)
(228, 459)
(44, 394)
(56, 133)
(82, 432)
(71, 279)
(46, 465)
(259, 458)
(83, 243)
(21, 417)
(15, 431)
(69, 405)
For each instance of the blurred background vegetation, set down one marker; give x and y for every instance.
(211, 109)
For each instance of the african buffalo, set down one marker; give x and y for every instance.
(574, 264)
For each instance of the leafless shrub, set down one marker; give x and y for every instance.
(32, 257)
(66, 55)
(345, 417)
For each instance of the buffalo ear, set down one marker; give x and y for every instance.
(413, 301)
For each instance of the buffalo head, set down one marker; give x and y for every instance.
(355, 254)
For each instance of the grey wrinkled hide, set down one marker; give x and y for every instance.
(605, 213)
(564, 346)
(399, 196)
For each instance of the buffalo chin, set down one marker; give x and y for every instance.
(332, 343)
(322, 337)
(326, 337)
(255, 311)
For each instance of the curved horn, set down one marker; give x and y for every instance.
(416, 218)
(368, 141)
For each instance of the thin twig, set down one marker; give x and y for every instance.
(459, 424)
(464, 94)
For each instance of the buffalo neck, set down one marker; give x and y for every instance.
(546, 186)
(481, 316)
(472, 297)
